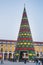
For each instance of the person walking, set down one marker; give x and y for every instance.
(25, 60)
(2, 61)
(38, 62)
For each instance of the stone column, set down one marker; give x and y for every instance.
(8, 54)
(3, 55)
(12, 54)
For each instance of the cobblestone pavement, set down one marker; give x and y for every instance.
(16, 63)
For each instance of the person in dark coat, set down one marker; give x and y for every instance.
(1, 61)
(25, 61)
(42, 62)
(36, 61)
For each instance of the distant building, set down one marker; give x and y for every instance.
(9, 46)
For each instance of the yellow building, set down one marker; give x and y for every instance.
(38, 47)
(7, 47)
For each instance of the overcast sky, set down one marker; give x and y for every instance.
(11, 14)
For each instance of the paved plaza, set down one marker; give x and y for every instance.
(17, 63)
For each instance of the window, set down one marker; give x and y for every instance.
(1, 44)
(1, 49)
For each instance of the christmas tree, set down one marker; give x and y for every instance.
(24, 41)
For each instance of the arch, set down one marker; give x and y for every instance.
(10, 56)
(5, 56)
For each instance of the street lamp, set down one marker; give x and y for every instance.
(2, 55)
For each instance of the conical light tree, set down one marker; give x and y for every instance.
(24, 41)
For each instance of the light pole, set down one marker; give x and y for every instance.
(2, 55)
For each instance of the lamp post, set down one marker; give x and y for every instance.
(2, 55)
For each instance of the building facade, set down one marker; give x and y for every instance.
(38, 47)
(8, 47)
